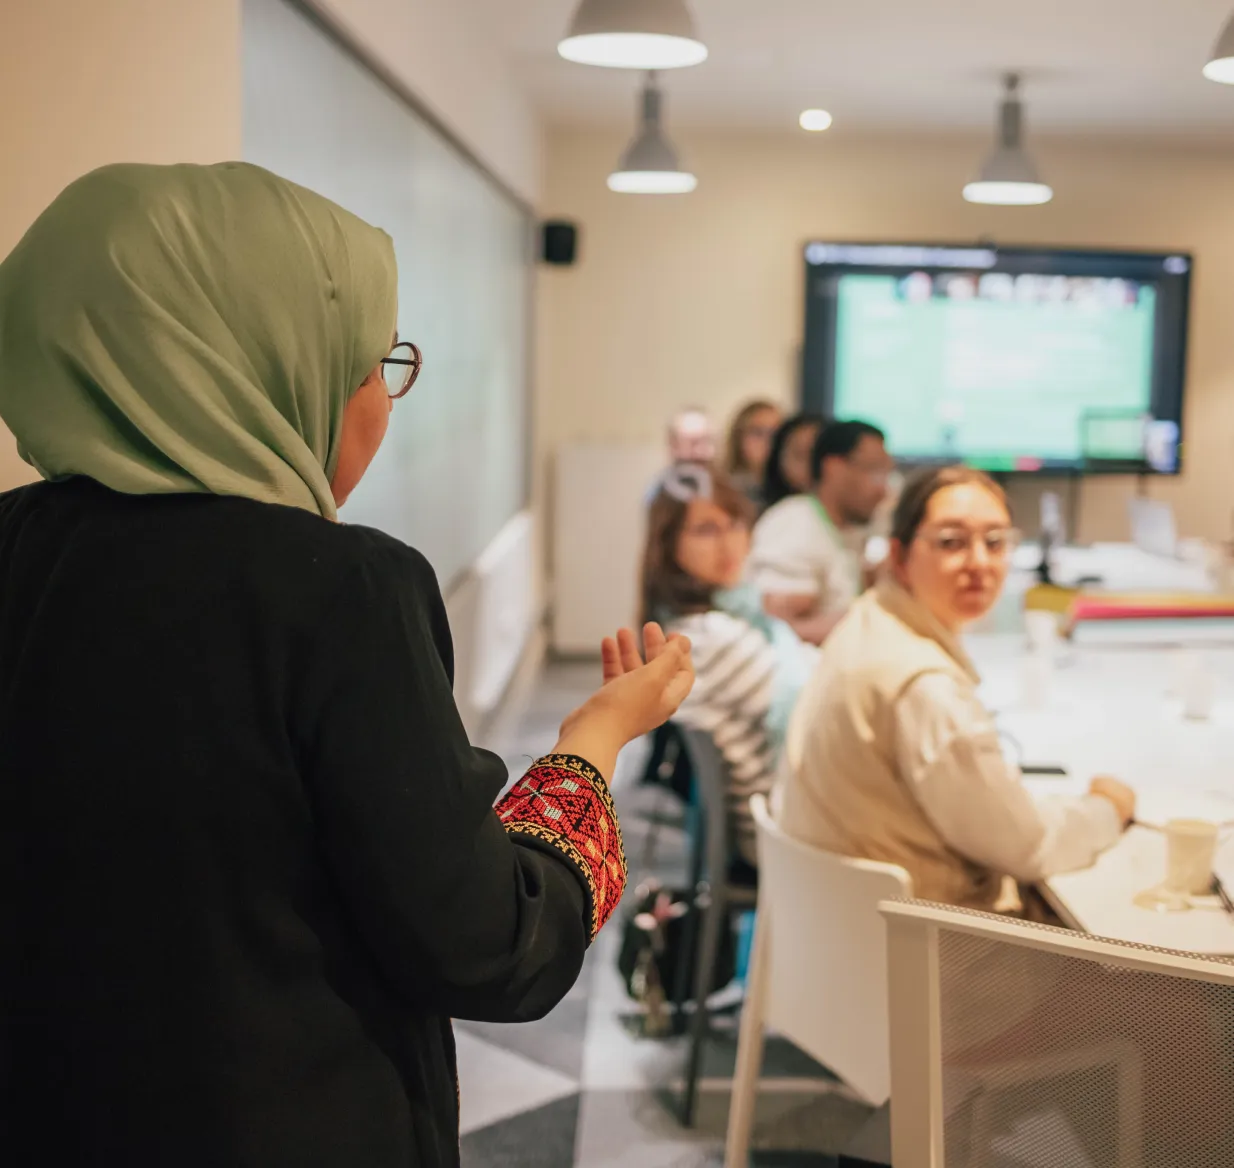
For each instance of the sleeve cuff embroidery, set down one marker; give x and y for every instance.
(563, 803)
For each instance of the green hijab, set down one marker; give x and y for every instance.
(169, 329)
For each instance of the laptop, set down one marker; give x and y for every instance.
(1153, 529)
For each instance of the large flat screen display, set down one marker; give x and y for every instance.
(1009, 359)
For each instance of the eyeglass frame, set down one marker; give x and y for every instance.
(1013, 536)
(881, 473)
(735, 528)
(415, 363)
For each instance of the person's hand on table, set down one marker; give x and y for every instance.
(802, 614)
(790, 606)
(635, 698)
(1122, 796)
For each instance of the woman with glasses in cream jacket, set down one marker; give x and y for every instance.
(891, 755)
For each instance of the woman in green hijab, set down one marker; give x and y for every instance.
(251, 864)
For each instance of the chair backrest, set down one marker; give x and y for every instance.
(711, 795)
(827, 958)
(1022, 1044)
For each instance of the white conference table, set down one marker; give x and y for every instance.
(1109, 711)
(1120, 566)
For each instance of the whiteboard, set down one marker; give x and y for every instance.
(453, 468)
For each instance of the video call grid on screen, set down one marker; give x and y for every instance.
(1011, 359)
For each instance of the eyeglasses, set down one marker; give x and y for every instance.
(716, 530)
(878, 474)
(999, 542)
(401, 368)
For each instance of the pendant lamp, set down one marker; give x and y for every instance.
(633, 34)
(1220, 67)
(650, 165)
(1009, 177)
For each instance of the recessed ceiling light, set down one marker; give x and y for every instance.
(815, 120)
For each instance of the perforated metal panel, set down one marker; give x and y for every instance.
(1054, 1061)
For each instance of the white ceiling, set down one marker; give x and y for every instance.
(1118, 66)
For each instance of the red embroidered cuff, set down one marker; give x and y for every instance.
(563, 802)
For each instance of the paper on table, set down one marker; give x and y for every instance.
(1157, 807)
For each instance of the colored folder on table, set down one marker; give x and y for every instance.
(1129, 606)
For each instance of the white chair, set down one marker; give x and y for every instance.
(818, 974)
(1021, 1044)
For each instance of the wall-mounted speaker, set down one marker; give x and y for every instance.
(559, 242)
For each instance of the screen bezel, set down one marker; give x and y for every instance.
(816, 388)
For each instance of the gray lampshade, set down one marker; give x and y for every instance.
(633, 34)
(649, 165)
(1220, 67)
(1009, 176)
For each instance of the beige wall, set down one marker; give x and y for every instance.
(699, 299)
(86, 84)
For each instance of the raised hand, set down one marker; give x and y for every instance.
(635, 698)
(644, 695)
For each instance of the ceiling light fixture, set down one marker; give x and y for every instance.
(1220, 67)
(1009, 177)
(633, 34)
(650, 165)
(815, 120)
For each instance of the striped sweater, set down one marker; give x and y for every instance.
(736, 671)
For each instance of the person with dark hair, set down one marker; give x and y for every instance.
(749, 447)
(788, 462)
(801, 564)
(749, 667)
(891, 755)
